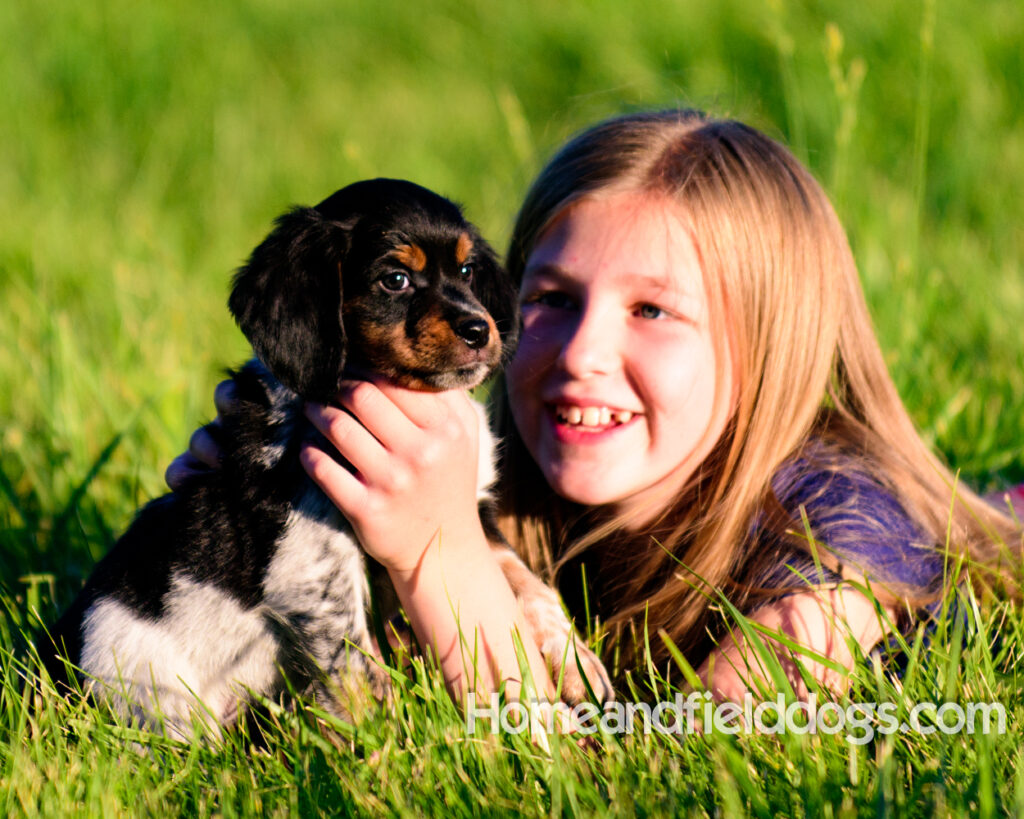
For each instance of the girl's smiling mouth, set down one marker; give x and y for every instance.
(591, 416)
(574, 422)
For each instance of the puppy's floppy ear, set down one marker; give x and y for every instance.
(287, 301)
(493, 287)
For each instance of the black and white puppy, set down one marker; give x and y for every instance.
(249, 579)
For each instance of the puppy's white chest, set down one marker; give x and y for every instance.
(317, 565)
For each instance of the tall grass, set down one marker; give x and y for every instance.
(146, 150)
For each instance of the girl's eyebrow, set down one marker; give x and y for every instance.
(634, 279)
(546, 269)
(625, 280)
(641, 280)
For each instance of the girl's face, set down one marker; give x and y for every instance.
(615, 388)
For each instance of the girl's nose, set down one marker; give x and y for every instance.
(591, 346)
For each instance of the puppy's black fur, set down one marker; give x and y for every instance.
(251, 570)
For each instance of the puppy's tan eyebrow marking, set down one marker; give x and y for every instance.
(463, 247)
(412, 256)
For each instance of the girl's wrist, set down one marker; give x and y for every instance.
(461, 606)
(452, 548)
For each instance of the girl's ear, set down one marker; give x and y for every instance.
(287, 301)
(493, 287)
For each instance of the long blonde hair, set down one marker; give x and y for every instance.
(777, 263)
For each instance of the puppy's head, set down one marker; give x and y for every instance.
(383, 276)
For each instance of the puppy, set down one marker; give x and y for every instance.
(249, 580)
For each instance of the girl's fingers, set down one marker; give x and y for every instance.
(224, 397)
(352, 440)
(343, 488)
(425, 409)
(398, 417)
(203, 455)
(387, 410)
(377, 413)
(182, 469)
(203, 447)
(428, 409)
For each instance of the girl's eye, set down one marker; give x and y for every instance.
(650, 311)
(394, 282)
(466, 272)
(552, 298)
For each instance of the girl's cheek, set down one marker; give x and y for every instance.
(522, 369)
(537, 342)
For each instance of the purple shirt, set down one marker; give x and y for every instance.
(853, 518)
(856, 520)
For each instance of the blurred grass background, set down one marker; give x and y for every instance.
(146, 149)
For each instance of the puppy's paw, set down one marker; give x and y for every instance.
(349, 694)
(378, 680)
(573, 666)
(565, 652)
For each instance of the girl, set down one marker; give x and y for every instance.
(698, 405)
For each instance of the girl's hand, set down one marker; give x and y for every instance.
(413, 504)
(821, 620)
(203, 454)
(415, 456)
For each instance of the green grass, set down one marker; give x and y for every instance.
(146, 149)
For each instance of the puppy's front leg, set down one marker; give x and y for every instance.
(559, 643)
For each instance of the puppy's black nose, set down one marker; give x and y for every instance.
(474, 332)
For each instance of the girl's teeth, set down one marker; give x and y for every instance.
(593, 416)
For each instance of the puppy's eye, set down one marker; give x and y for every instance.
(466, 272)
(394, 282)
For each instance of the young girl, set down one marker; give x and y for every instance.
(698, 406)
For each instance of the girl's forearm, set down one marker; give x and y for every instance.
(461, 606)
